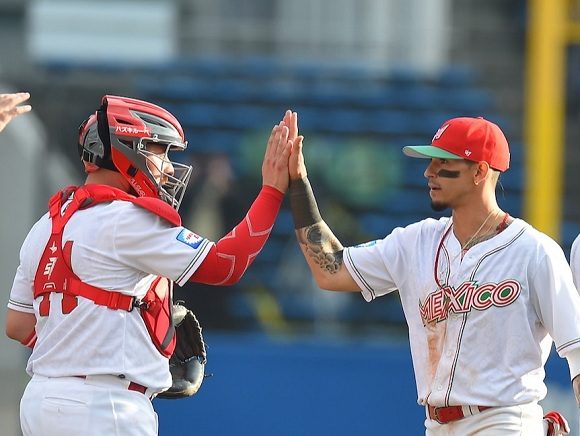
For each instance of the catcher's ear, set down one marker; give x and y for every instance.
(90, 167)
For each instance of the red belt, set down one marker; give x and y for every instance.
(444, 415)
(132, 385)
(137, 387)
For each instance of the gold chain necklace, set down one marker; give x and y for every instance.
(467, 246)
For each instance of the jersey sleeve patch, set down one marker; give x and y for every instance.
(367, 244)
(190, 238)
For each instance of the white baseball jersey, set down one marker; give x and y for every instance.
(480, 327)
(117, 246)
(575, 261)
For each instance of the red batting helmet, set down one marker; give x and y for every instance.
(116, 136)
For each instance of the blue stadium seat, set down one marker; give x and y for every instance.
(456, 76)
(418, 97)
(247, 116)
(471, 101)
(413, 204)
(201, 115)
(260, 67)
(413, 171)
(378, 225)
(330, 93)
(284, 225)
(513, 178)
(234, 90)
(351, 121)
(185, 89)
(203, 66)
(212, 141)
(390, 122)
(517, 153)
(403, 75)
(570, 231)
(511, 202)
(426, 124)
(384, 310)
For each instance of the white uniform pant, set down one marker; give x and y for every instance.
(96, 406)
(525, 419)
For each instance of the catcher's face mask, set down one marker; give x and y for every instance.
(134, 138)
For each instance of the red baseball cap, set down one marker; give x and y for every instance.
(474, 139)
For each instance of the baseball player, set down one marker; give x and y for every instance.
(92, 294)
(484, 294)
(10, 107)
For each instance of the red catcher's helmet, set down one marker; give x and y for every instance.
(116, 137)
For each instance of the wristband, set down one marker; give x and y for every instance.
(30, 341)
(303, 204)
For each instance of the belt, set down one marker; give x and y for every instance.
(444, 415)
(132, 386)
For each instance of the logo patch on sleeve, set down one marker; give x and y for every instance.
(367, 244)
(189, 238)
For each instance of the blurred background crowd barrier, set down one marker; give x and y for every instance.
(366, 77)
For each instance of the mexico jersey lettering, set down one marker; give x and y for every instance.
(515, 288)
(469, 295)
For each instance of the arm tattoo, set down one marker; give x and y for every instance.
(321, 246)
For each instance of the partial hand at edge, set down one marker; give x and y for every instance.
(9, 107)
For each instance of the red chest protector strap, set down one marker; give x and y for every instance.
(54, 273)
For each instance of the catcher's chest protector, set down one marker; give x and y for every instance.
(54, 273)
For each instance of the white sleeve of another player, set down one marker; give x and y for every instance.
(575, 261)
(557, 301)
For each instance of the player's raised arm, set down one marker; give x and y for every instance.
(230, 257)
(10, 107)
(321, 248)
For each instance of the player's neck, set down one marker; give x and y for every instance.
(107, 177)
(470, 223)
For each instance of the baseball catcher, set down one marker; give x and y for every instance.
(92, 295)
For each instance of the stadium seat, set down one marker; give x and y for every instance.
(202, 115)
(455, 76)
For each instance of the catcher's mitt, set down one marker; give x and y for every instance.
(187, 363)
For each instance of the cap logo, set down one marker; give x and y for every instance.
(467, 152)
(439, 132)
